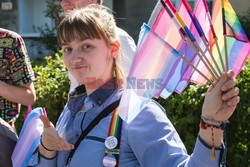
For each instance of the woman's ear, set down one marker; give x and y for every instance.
(115, 49)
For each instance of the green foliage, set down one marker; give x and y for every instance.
(52, 86)
(184, 111)
(238, 129)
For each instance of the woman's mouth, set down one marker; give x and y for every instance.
(79, 67)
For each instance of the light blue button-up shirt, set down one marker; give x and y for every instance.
(150, 140)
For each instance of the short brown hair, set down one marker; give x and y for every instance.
(91, 22)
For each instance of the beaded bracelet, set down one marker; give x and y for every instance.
(44, 146)
(204, 125)
(212, 120)
(208, 122)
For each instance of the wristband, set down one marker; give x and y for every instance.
(204, 125)
(44, 146)
(209, 122)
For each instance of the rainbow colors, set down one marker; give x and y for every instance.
(231, 24)
(114, 129)
(238, 46)
(237, 42)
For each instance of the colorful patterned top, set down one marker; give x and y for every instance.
(15, 68)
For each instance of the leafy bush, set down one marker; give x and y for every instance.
(52, 85)
(238, 129)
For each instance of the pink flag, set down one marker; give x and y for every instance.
(153, 65)
(203, 16)
(165, 26)
(184, 11)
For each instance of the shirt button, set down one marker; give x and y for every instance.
(99, 102)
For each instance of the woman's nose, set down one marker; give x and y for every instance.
(76, 57)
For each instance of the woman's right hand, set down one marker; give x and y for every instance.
(51, 140)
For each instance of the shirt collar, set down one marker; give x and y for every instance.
(78, 91)
(100, 95)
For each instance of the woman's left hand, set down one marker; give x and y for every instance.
(221, 98)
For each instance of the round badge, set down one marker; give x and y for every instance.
(109, 161)
(111, 142)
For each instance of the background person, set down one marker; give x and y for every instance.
(16, 76)
(8, 139)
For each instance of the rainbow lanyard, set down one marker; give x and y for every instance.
(115, 125)
(112, 142)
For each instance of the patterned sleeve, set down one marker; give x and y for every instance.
(20, 65)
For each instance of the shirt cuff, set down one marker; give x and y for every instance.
(202, 154)
(39, 160)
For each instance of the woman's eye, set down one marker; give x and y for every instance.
(86, 47)
(67, 50)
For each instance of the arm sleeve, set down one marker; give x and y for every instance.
(39, 161)
(155, 142)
